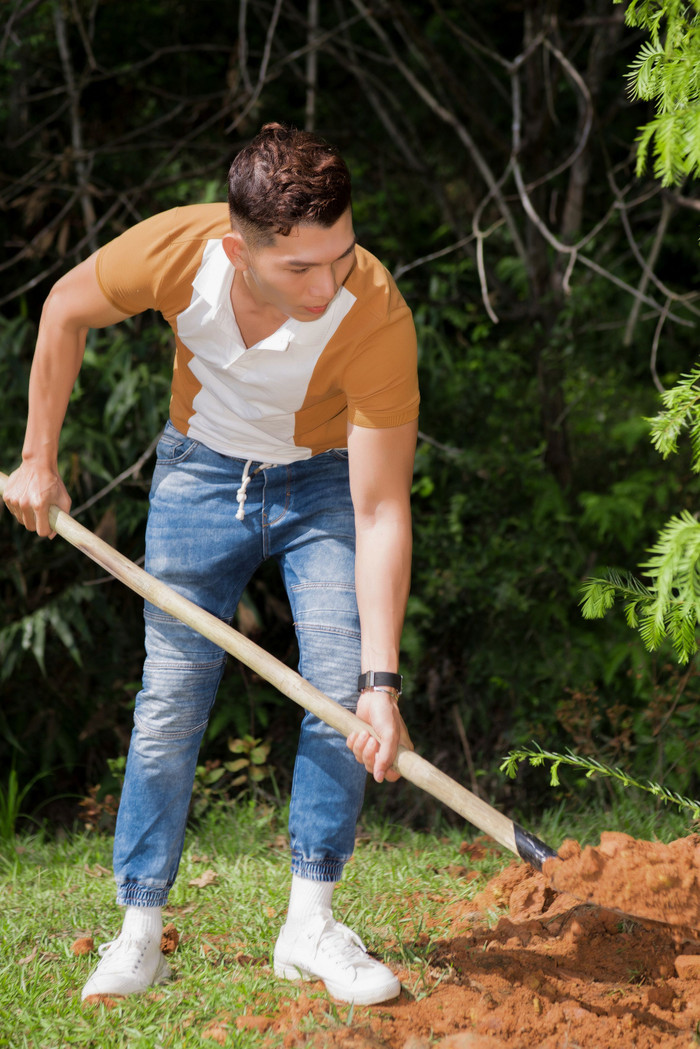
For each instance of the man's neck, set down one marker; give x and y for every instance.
(255, 321)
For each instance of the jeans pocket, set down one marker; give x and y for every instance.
(173, 446)
(339, 453)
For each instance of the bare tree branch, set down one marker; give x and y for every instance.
(312, 66)
(80, 159)
(655, 348)
(243, 46)
(647, 265)
(131, 471)
(449, 118)
(401, 271)
(546, 233)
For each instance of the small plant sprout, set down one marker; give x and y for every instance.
(537, 757)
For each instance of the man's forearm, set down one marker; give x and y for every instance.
(57, 360)
(382, 574)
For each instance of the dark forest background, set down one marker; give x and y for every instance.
(492, 148)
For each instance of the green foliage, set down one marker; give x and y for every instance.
(252, 767)
(617, 514)
(592, 768)
(219, 781)
(666, 71)
(12, 799)
(64, 617)
(681, 413)
(667, 605)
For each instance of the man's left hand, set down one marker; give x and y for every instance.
(381, 711)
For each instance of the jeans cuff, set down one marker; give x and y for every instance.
(130, 894)
(318, 870)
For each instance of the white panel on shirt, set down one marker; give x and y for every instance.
(248, 397)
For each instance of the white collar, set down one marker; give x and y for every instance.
(213, 284)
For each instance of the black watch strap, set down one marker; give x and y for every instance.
(375, 678)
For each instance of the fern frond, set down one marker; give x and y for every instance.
(681, 411)
(643, 72)
(665, 71)
(599, 595)
(669, 606)
(644, 140)
(669, 165)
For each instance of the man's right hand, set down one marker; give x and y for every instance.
(30, 491)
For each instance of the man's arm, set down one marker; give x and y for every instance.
(75, 304)
(381, 470)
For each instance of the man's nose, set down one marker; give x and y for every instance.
(324, 283)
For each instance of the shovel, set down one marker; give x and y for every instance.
(409, 764)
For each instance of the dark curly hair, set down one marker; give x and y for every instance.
(284, 178)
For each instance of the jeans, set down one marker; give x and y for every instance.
(302, 516)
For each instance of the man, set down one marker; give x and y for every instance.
(291, 435)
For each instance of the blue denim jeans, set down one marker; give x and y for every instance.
(302, 516)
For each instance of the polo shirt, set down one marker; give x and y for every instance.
(291, 395)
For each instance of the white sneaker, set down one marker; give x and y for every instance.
(128, 966)
(329, 951)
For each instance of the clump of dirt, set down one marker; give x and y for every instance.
(83, 945)
(169, 939)
(528, 966)
(645, 878)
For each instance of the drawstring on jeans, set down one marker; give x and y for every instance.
(241, 494)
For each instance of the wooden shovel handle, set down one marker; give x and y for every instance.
(411, 766)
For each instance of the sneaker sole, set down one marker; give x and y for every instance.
(163, 972)
(162, 975)
(295, 974)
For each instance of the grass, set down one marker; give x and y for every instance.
(394, 894)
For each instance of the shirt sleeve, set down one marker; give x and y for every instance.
(381, 379)
(130, 268)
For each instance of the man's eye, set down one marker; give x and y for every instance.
(302, 269)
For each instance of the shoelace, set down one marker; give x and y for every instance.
(344, 944)
(123, 943)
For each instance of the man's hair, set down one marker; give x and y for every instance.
(284, 178)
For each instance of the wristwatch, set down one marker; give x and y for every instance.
(375, 678)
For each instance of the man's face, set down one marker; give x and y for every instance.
(299, 274)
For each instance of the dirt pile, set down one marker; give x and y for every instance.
(643, 878)
(531, 968)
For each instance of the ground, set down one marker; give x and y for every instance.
(530, 967)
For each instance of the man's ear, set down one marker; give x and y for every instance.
(235, 249)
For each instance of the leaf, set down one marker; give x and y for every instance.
(237, 765)
(259, 755)
(208, 877)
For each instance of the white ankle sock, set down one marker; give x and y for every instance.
(143, 922)
(309, 898)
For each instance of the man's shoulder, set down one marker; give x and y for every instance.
(152, 264)
(373, 286)
(189, 222)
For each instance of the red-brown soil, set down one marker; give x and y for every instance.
(551, 972)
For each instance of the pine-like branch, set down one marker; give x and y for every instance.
(536, 757)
